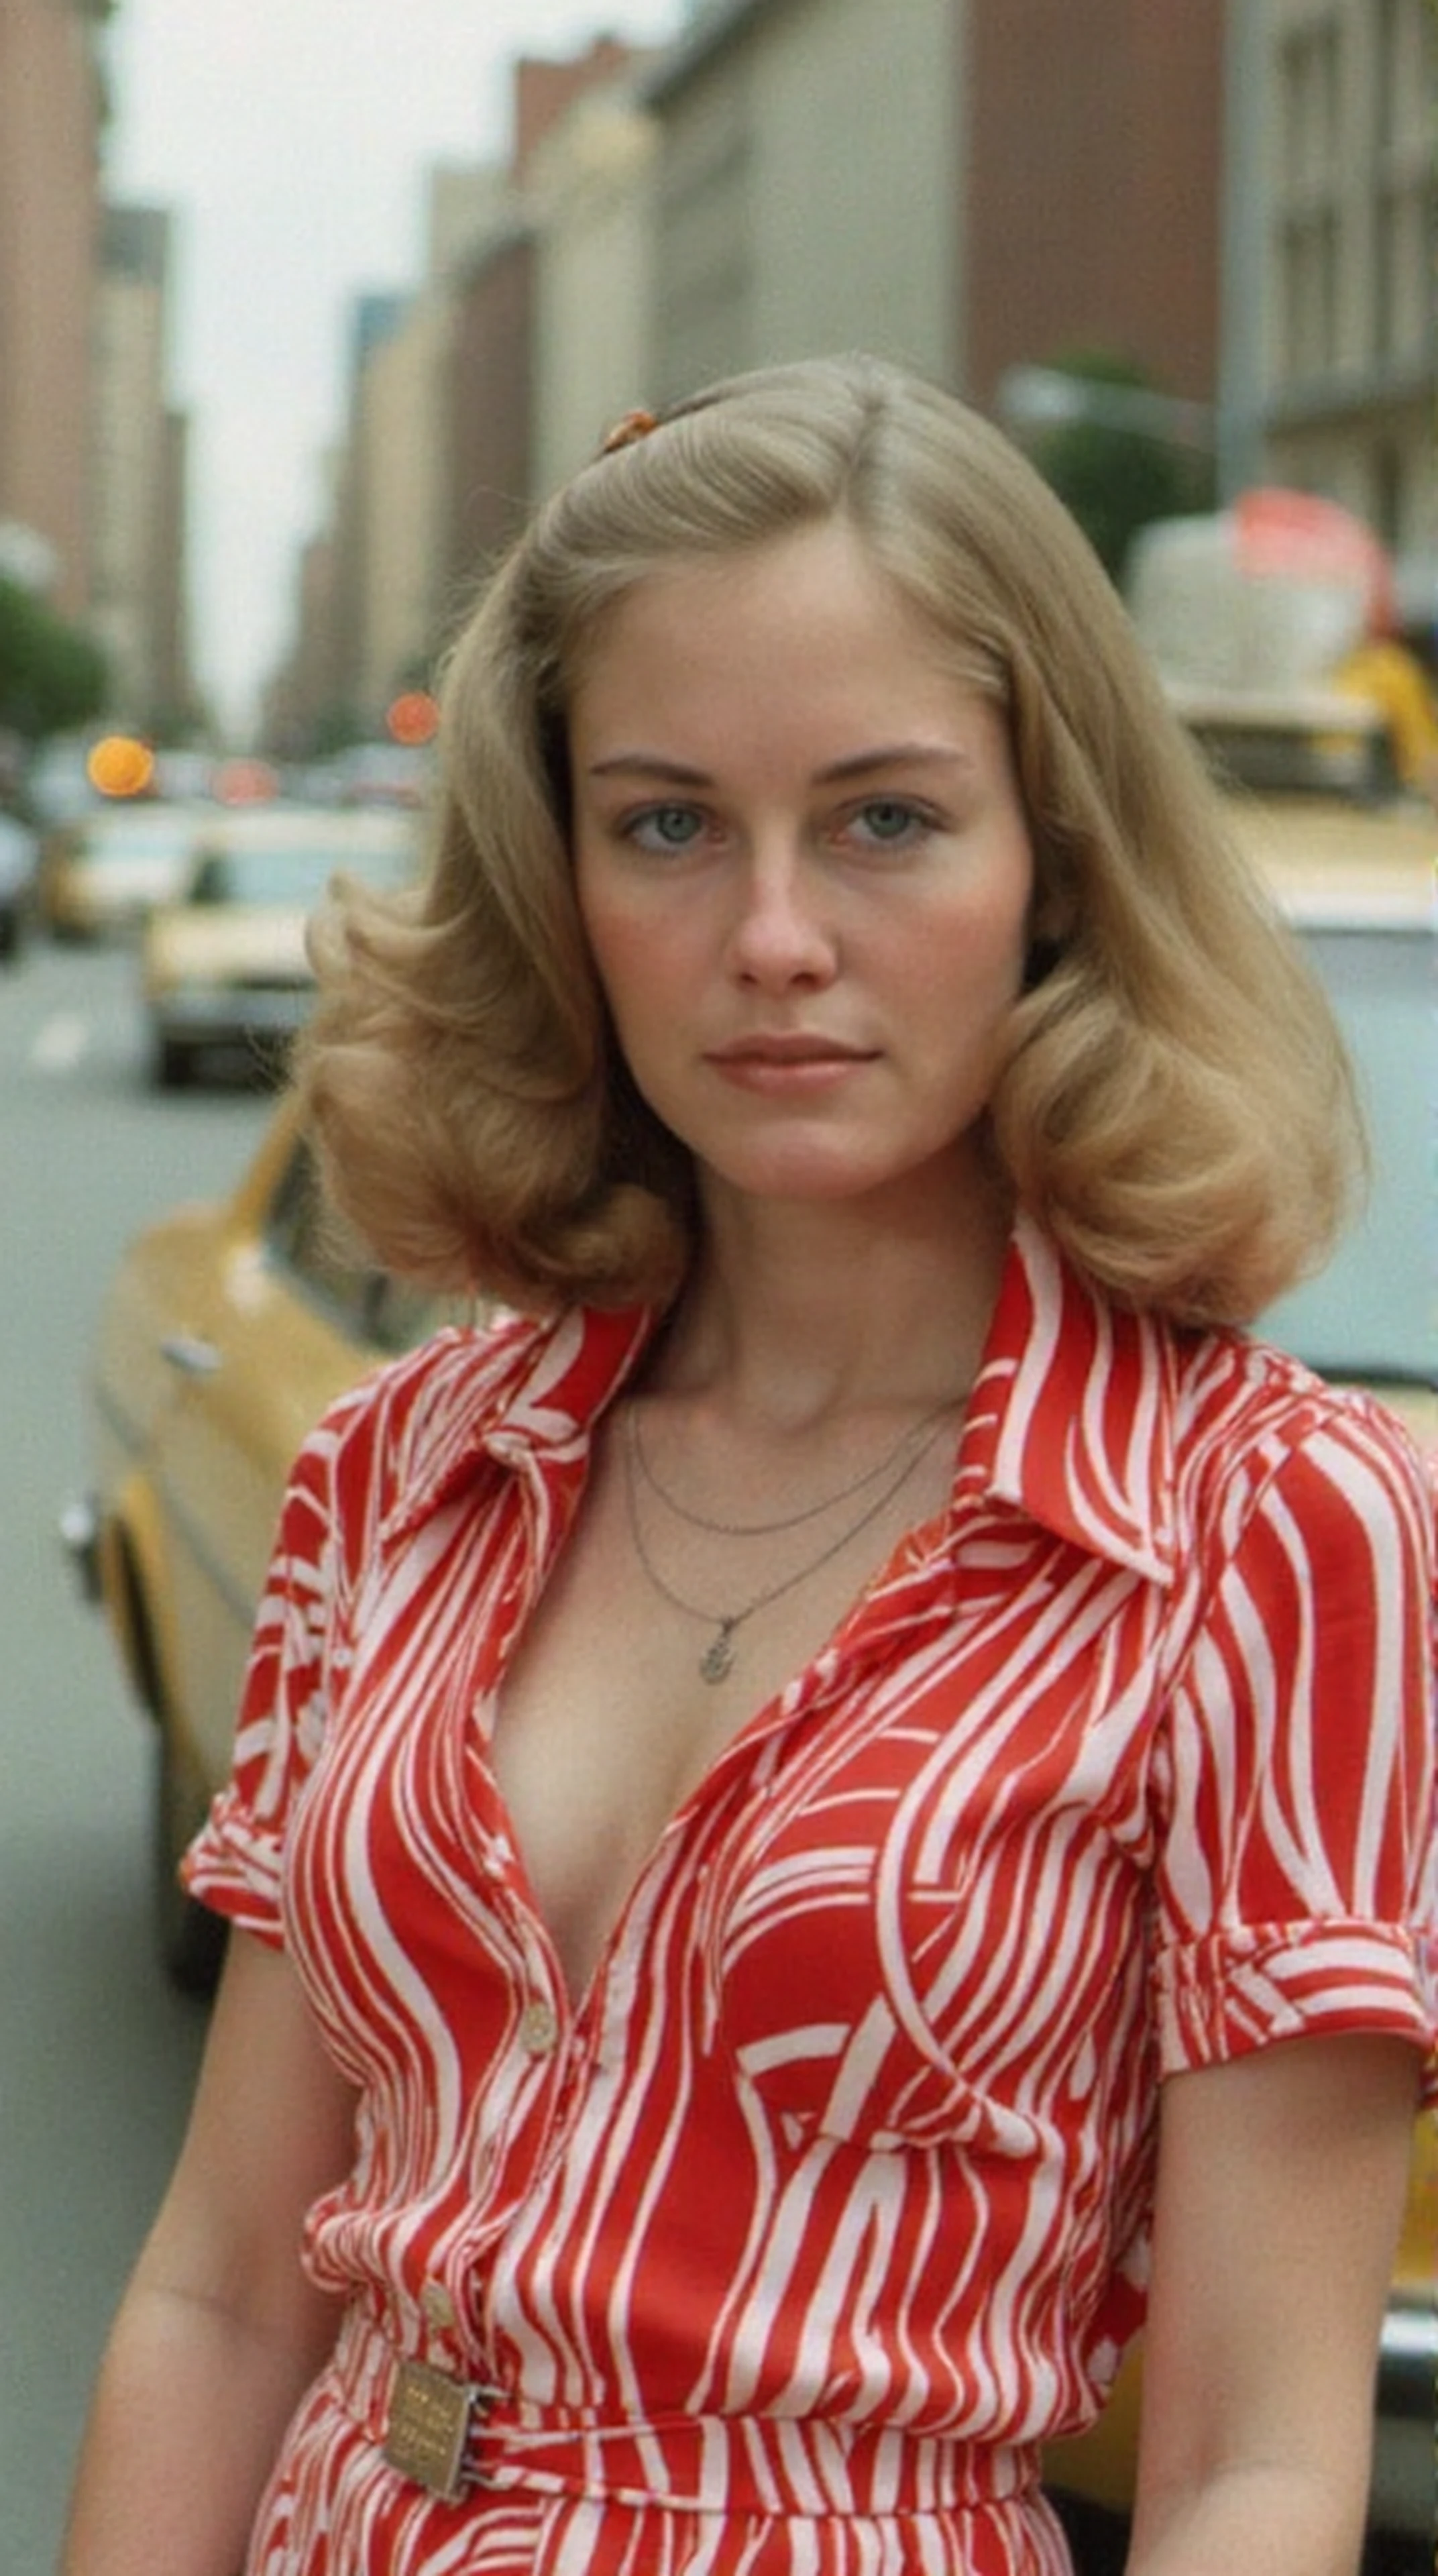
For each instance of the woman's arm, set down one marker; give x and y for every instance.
(1280, 2192)
(219, 2330)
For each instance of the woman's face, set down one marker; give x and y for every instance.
(803, 868)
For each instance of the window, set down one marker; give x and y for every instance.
(307, 1239)
(1309, 72)
(1310, 292)
(1310, 63)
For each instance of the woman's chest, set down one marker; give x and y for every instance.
(626, 1699)
(901, 1888)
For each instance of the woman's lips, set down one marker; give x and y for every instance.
(786, 1064)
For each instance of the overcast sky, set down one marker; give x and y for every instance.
(290, 138)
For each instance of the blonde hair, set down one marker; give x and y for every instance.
(1175, 1105)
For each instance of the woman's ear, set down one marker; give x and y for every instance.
(1049, 919)
(1043, 956)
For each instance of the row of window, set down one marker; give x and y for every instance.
(1354, 277)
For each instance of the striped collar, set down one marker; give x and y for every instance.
(1072, 1419)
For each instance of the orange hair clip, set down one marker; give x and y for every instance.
(628, 431)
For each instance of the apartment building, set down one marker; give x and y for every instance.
(811, 171)
(138, 459)
(591, 193)
(1091, 210)
(1346, 273)
(49, 197)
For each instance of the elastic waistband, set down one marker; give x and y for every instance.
(760, 2464)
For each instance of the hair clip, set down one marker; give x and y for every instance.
(628, 431)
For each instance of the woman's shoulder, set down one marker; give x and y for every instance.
(1254, 1420)
(1212, 1407)
(1238, 1379)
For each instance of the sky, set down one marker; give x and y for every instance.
(290, 139)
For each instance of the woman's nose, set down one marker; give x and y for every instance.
(782, 934)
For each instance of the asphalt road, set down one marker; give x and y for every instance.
(97, 2055)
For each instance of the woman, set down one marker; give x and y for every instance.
(813, 1816)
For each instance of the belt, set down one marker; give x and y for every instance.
(452, 2435)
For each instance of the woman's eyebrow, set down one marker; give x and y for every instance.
(897, 755)
(649, 764)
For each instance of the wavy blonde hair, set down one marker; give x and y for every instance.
(1175, 1105)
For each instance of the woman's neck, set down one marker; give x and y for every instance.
(799, 1313)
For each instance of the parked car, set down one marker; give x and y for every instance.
(227, 1330)
(103, 871)
(224, 972)
(19, 857)
(230, 1327)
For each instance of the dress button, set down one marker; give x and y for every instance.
(539, 2029)
(437, 2304)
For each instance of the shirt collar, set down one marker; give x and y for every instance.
(524, 1396)
(1072, 1418)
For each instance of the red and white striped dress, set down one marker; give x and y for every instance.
(785, 2250)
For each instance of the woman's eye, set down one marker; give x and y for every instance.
(665, 828)
(887, 823)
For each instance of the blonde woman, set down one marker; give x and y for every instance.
(838, 1808)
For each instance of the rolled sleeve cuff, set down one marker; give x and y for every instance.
(234, 1866)
(1237, 1990)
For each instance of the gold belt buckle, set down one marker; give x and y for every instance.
(427, 2431)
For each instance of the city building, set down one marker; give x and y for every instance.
(591, 193)
(809, 187)
(1089, 217)
(138, 462)
(1348, 275)
(50, 110)
(496, 398)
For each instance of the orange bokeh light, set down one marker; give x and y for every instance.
(120, 766)
(413, 718)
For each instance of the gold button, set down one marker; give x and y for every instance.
(539, 2029)
(437, 2304)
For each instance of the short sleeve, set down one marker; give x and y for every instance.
(1297, 1887)
(235, 1864)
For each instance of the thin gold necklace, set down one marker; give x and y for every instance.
(812, 1511)
(717, 1661)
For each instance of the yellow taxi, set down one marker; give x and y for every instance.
(223, 970)
(103, 872)
(230, 1326)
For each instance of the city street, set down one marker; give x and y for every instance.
(97, 2055)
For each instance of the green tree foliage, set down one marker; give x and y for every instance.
(52, 674)
(1116, 479)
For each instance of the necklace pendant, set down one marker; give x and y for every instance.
(717, 1660)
